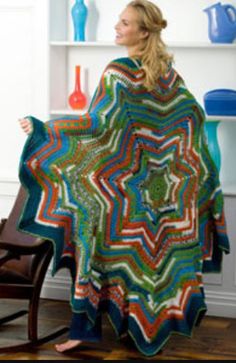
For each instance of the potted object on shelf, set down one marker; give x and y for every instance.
(79, 13)
(77, 99)
(221, 23)
(212, 141)
(221, 102)
(218, 102)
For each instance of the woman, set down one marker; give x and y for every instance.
(133, 194)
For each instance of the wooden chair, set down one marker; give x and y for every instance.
(24, 261)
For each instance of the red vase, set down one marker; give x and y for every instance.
(77, 100)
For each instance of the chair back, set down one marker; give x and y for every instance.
(10, 233)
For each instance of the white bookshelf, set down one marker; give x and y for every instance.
(202, 64)
(211, 118)
(204, 45)
(68, 112)
(82, 44)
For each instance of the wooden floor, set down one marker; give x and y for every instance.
(215, 339)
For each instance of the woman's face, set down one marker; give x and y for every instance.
(127, 29)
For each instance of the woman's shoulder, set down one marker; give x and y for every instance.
(171, 79)
(123, 64)
(125, 70)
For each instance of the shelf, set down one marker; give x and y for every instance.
(80, 112)
(210, 118)
(68, 112)
(9, 179)
(229, 189)
(82, 44)
(206, 45)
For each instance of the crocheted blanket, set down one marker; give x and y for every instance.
(131, 199)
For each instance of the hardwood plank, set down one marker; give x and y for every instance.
(214, 339)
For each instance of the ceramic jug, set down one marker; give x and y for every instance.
(221, 23)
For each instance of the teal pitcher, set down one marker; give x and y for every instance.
(221, 23)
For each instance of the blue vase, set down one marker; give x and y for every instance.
(79, 14)
(212, 141)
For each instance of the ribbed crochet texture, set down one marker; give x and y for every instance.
(131, 199)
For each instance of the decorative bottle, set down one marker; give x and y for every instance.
(212, 141)
(77, 99)
(79, 13)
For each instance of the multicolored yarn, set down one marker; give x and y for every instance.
(131, 199)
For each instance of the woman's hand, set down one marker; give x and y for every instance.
(26, 125)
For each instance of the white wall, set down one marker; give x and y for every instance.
(23, 83)
(186, 19)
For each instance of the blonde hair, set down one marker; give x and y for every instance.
(154, 56)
